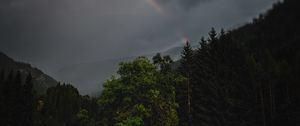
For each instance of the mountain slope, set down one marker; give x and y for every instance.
(41, 81)
(250, 75)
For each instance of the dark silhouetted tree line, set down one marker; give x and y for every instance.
(16, 99)
(64, 106)
(60, 106)
(243, 77)
(247, 76)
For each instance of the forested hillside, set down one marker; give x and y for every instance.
(247, 76)
(40, 80)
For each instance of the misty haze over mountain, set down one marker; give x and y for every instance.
(56, 35)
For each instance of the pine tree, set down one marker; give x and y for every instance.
(184, 91)
(2, 84)
(2, 76)
(7, 98)
(212, 35)
(28, 102)
(16, 105)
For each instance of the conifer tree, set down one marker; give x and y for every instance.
(15, 98)
(28, 101)
(212, 35)
(2, 82)
(184, 91)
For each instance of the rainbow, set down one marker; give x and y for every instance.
(161, 11)
(157, 7)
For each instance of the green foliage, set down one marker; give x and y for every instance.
(163, 63)
(142, 95)
(131, 121)
(84, 119)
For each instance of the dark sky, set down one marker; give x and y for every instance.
(51, 34)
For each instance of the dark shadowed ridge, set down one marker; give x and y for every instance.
(41, 81)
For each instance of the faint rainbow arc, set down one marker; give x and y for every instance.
(161, 11)
(157, 7)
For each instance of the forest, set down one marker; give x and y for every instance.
(248, 76)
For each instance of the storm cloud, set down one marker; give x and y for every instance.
(51, 34)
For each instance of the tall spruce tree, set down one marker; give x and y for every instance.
(2, 82)
(15, 104)
(184, 91)
(28, 101)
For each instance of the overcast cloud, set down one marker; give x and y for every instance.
(54, 33)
